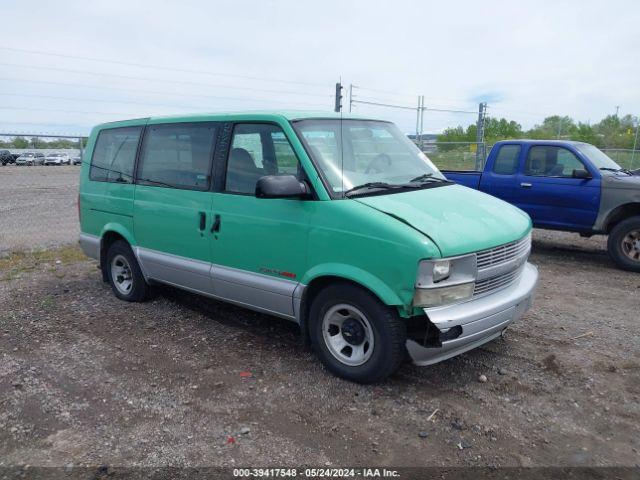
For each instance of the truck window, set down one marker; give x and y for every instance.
(114, 155)
(506, 162)
(258, 150)
(551, 161)
(177, 155)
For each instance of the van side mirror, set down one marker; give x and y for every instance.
(281, 186)
(583, 174)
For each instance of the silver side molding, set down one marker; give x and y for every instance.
(179, 271)
(276, 296)
(90, 245)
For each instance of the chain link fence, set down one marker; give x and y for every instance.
(38, 207)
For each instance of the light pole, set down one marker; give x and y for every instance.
(635, 141)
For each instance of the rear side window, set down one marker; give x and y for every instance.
(507, 160)
(114, 155)
(178, 156)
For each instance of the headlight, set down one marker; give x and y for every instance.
(444, 281)
(441, 270)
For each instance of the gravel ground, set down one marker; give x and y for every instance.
(86, 379)
(38, 206)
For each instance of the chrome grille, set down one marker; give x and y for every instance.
(499, 267)
(495, 283)
(503, 253)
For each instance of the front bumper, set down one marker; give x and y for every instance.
(481, 320)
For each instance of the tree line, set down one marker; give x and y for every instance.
(35, 142)
(610, 132)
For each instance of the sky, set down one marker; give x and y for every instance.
(68, 65)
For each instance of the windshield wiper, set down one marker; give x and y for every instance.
(428, 177)
(370, 185)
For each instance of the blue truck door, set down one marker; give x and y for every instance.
(548, 192)
(500, 173)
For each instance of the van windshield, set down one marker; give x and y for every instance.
(355, 153)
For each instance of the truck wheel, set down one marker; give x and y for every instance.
(354, 335)
(624, 244)
(124, 274)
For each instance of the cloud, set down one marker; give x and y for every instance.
(527, 61)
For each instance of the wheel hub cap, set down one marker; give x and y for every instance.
(121, 274)
(347, 334)
(631, 245)
(352, 331)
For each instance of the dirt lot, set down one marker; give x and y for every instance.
(86, 379)
(38, 206)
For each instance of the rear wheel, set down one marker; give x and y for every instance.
(624, 244)
(124, 274)
(355, 335)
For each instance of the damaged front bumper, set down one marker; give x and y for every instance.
(481, 320)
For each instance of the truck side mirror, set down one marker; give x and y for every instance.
(281, 186)
(582, 174)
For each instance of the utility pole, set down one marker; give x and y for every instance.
(350, 96)
(617, 108)
(635, 142)
(338, 106)
(418, 119)
(482, 111)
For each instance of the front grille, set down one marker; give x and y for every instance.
(489, 261)
(495, 283)
(503, 253)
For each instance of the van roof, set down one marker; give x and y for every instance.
(268, 115)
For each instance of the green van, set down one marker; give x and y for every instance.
(338, 223)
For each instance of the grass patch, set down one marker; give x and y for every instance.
(12, 264)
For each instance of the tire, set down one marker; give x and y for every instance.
(623, 244)
(366, 358)
(124, 274)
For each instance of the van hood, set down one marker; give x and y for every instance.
(457, 219)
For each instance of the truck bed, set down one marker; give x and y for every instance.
(468, 178)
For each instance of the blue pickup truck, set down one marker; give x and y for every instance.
(563, 185)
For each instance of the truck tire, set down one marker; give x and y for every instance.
(355, 335)
(623, 244)
(124, 274)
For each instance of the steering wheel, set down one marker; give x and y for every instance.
(377, 163)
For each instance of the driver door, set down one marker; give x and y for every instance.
(548, 192)
(259, 246)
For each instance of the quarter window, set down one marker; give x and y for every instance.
(114, 155)
(178, 156)
(258, 150)
(551, 161)
(507, 160)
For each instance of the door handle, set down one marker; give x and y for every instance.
(215, 228)
(203, 220)
(525, 185)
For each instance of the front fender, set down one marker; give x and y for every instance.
(356, 275)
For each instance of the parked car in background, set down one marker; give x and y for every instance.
(564, 185)
(77, 160)
(337, 223)
(6, 157)
(30, 158)
(57, 159)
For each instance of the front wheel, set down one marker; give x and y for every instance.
(624, 244)
(124, 274)
(355, 335)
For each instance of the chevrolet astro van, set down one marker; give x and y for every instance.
(337, 223)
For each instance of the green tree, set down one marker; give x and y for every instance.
(20, 142)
